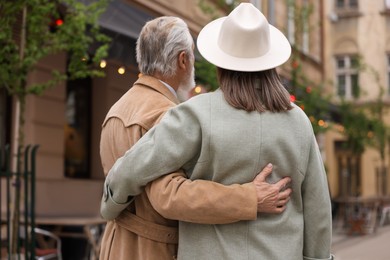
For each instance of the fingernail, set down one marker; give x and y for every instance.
(269, 165)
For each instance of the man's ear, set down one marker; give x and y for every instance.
(182, 60)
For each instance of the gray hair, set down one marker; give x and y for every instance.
(159, 43)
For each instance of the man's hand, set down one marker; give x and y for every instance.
(271, 198)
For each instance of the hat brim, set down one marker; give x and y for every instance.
(207, 43)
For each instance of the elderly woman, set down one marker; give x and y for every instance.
(227, 136)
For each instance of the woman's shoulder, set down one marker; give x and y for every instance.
(201, 101)
(298, 112)
(299, 116)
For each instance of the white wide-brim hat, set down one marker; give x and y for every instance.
(243, 41)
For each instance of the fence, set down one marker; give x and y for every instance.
(17, 203)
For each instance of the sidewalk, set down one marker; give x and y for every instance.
(374, 246)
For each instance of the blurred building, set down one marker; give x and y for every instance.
(356, 51)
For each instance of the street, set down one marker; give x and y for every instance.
(374, 246)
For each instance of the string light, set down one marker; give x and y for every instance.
(121, 70)
(198, 89)
(103, 64)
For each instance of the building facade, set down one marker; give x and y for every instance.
(65, 121)
(357, 49)
(327, 37)
(342, 47)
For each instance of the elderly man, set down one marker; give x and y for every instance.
(144, 230)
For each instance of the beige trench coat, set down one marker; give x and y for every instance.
(140, 232)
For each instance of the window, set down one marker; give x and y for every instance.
(349, 170)
(352, 5)
(340, 3)
(291, 22)
(298, 29)
(77, 128)
(305, 26)
(346, 9)
(347, 77)
(271, 12)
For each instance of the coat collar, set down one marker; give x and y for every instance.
(157, 85)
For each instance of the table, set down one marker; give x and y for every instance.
(89, 225)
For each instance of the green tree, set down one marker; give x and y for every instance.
(356, 127)
(206, 74)
(310, 96)
(33, 29)
(215, 8)
(307, 94)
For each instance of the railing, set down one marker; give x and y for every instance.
(17, 192)
(357, 215)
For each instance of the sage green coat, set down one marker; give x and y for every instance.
(212, 140)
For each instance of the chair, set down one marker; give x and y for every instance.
(47, 253)
(384, 213)
(31, 242)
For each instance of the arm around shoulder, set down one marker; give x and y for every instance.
(199, 201)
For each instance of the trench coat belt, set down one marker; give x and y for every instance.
(147, 229)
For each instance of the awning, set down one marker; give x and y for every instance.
(123, 18)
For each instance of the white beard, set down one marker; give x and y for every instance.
(183, 92)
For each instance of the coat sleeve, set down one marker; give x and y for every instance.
(176, 197)
(316, 208)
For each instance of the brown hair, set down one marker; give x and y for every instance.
(254, 91)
